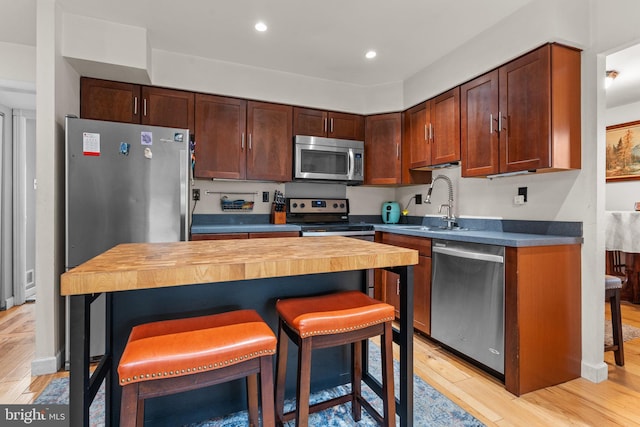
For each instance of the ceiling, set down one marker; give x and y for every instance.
(322, 39)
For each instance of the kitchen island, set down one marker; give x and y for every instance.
(152, 281)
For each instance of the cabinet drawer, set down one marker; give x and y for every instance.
(421, 244)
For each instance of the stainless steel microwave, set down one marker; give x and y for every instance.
(328, 159)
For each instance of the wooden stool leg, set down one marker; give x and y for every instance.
(616, 327)
(266, 388)
(387, 376)
(356, 380)
(129, 406)
(281, 372)
(252, 399)
(304, 383)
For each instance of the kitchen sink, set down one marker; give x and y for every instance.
(431, 228)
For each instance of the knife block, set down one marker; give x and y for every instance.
(278, 217)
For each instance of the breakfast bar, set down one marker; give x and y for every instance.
(152, 281)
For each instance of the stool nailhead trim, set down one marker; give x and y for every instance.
(341, 330)
(200, 368)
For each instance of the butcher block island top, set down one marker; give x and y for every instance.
(134, 266)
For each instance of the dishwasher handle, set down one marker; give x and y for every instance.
(468, 254)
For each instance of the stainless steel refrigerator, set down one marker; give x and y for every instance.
(125, 183)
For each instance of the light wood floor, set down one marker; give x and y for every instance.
(615, 402)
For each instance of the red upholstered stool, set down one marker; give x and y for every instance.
(329, 321)
(173, 356)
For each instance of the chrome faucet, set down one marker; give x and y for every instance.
(449, 218)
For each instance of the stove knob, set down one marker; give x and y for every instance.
(302, 205)
(335, 206)
(295, 205)
(342, 205)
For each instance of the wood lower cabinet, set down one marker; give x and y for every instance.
(543, 345)
(331, 124)
(523, 116)
(130, 103)
(253, 235)
(387, 283)
(382, 146)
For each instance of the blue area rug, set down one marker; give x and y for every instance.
(430, 407)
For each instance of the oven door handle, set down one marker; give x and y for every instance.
(468, 255)
(338, 233)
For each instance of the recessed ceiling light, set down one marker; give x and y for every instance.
(370, 54)
(261, 26)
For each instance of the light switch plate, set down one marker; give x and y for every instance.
(518, 200)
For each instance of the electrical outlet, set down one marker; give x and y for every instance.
(265, 196)
(522, 191)
(195, 194)
(418, 199)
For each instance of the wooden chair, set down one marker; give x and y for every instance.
(329, 321)
(613, 285)
(173, 356)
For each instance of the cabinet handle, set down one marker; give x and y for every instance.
(425, 132)
(249, 141)
(325, 126)
(502, 126)
(398, 286)
(144, 107)
(242, 142)
(331, 125)
(430, 132)
(135, 105)
(490, 123)
(398, 151)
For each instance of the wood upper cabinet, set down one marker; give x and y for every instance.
(107, 100)
(530, 109)
(168, 107)
(382, 149)
(270, 141)
(236, 139)
(220, 137)
(434, 131)
(130, 103)
(308, 121)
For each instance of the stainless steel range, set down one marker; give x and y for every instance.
(329, 217)
(325, 217)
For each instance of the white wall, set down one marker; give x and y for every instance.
(6, 209)
(622, 195)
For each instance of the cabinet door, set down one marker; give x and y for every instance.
(417, 133)
(168, 107)
(345, 126)
(383, 137)
(525, 112)
(220, 125)
(391, 290)
(107, 100)
(445, 133)
(270, 144)
(307, 121)
(479, 125)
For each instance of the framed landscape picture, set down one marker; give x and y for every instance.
(623, 151)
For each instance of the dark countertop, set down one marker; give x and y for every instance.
(489, 237)
(492, 232)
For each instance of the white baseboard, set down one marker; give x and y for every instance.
(594, 373)
(9, 302)
(46, 365)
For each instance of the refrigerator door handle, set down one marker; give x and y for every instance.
(184, 194)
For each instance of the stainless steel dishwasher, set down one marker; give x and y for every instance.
(467, 300)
